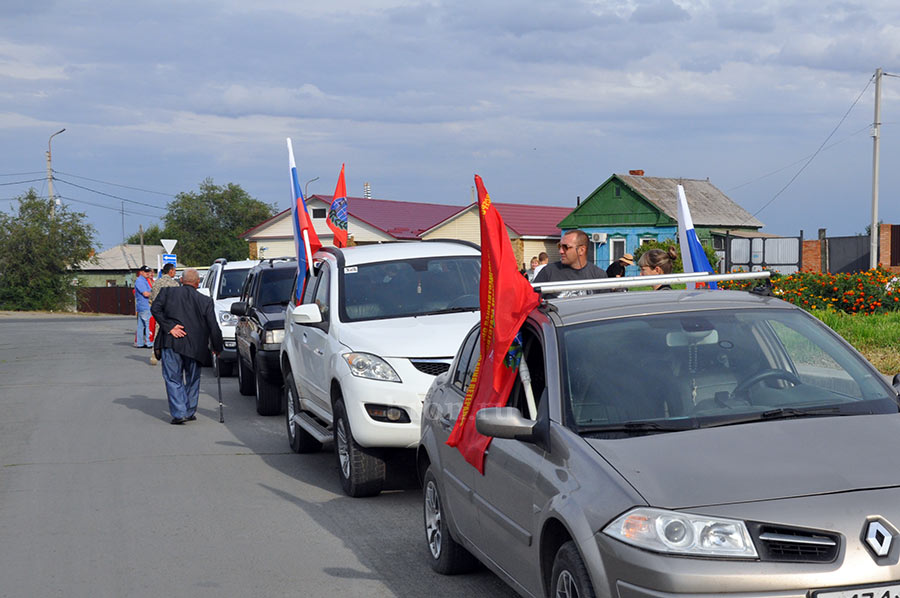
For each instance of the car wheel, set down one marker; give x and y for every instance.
(448, 557)
(301, 441)
(245, 378)
(226, 368)
(570, 577)
(268, 395)
(362, 473)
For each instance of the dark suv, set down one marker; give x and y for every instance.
(260, 330)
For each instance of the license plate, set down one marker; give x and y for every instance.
(890, 591)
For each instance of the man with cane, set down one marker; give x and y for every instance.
(187, 326)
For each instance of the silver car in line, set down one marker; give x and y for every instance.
(679, 443)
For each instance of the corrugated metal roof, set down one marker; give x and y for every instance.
(532, 221)
(400, 219)
(709, 206)
(125, 257)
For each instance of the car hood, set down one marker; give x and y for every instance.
(438, 335)
(759, 461)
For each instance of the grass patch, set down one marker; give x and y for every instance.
(876, 336)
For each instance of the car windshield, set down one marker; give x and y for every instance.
(651, 374)
(414, 287)
(275, 288)
(231, 282)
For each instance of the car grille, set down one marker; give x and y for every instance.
(796, 545)
(430, 367)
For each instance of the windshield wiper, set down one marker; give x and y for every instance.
(449, 310)
(643, 427)
(779, 413)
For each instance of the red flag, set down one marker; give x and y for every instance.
(493, 379)
(337, 215)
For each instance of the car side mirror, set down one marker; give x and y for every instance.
(239, 308)
(504, 422)
(203, 291)
(897, 383)
(306, 313)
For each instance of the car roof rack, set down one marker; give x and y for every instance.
(272, 260)
(609, 284)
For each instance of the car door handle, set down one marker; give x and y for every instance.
(446, 422)
(318, 352)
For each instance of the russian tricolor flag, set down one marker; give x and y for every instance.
(306, 241)
(693, 258)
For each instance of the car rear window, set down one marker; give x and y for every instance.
(413, 287)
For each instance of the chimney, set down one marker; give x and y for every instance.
(577, 200)
(636, 172)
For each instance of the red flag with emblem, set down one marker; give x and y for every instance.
(500, 321)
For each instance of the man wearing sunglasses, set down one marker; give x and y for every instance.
(573, 263)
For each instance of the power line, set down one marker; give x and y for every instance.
(97, 205)
(113, 184)
(22, 182)
(22, 173)
(110, 195)
(759, 178)
(816, 153)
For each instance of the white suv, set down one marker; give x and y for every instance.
(223, 283)
(376, 325)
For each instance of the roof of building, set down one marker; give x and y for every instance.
(126, 257)
(400, 219)
(525, 220)
(709, 206)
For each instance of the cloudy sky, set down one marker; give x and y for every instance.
(545, 99)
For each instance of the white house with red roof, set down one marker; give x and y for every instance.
(531, 229)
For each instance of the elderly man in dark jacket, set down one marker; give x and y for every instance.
(187, 325)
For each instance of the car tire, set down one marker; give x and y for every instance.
(245, 379)
(268, 395)
(570, 577)
(447, 556)
(300, 440)
(226, 368)
(362, 472)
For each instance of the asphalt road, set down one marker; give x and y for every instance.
(100, 496)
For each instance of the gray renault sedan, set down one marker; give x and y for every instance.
(678, 443)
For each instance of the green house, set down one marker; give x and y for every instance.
(628, 210)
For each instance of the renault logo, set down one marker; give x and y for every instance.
(878, 538)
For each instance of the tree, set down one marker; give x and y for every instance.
(207, 224)
(152, 235)
(677, 267)
(38, 249)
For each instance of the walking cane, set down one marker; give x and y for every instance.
(219, 382)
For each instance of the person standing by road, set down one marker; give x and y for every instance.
(166, 279)
(142, 292)
(187, 326)
(572, 265)
(543, 258)
(655, 262)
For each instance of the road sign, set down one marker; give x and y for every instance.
(168, 244)
(169, 258)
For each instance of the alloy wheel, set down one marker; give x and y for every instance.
(566, 586)
(433, 519)
(343, 448)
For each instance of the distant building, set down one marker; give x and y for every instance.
(628, 210)
(117, 266)
(532, 229)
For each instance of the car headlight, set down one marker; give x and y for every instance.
(274, 337)
(227, 318)
(683, 533)
(366, 365)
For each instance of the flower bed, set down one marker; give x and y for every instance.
(870, 292)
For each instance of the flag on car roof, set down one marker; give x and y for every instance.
(494, 374)
(337, 215)
(693, 257)
(306, 241)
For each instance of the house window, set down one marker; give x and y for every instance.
(646, 240)
(718, 243)
(616, 249)
(320, 213)
(618, 191)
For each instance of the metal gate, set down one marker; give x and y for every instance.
(778, 254)
(106, 300)
(848, 254)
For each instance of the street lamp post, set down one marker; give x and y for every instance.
(306, 188)
(50, 174)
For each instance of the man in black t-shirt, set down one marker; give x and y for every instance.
(572, 265)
